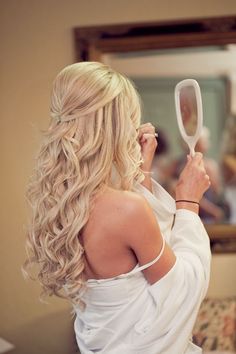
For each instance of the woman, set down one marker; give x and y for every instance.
(134, 262)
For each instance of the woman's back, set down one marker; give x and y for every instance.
(121, 232)
(104, 236)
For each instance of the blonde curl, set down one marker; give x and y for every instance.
(91, 143)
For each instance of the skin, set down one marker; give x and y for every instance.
(122, 229)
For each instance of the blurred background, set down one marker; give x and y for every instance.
(36, 43)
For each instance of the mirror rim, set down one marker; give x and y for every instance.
(190, 140)
(91, 42)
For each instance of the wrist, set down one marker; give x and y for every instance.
(147, 182)
(146, 166)
(191, 201)
(180, 195)
(187, 205)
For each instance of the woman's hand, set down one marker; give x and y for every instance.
(148, 143)
(193, 182)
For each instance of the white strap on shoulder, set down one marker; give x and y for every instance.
(153, 261)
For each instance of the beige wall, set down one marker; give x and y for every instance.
(36, 42)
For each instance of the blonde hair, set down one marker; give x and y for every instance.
(93, 132)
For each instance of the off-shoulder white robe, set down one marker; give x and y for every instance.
(126, 315)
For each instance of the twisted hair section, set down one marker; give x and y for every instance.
(91, 143)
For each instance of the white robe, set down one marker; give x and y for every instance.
(126, 315)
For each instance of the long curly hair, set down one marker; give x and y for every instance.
(91, 143)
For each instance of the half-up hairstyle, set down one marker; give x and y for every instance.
(92, 138)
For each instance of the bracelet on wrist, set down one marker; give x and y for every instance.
(186, 201)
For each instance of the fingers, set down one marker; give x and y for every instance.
(189, 159)
(195, 164)
(197, 159)
(207, 180)
(148, 138)
(146, 128)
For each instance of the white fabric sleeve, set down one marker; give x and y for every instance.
(188, 238)
(190, 243)
(179, 293)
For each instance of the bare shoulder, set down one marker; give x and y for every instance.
(123, 227)
(122, 204)
(127, 216)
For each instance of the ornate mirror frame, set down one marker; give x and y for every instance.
(93, 42)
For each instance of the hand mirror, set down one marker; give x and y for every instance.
(188, 104)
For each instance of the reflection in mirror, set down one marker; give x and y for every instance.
(188, 108)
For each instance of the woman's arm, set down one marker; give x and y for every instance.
(191, 185)
(148, 143)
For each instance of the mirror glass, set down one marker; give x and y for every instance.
(188, 104)
(188, 109)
